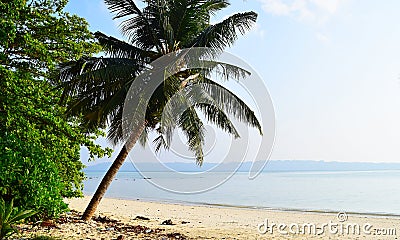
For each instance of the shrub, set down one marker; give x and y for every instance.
(10, 215)
(39, 148)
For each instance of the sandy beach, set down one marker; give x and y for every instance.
(211, 222)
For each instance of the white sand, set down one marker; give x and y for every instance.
(235, 223)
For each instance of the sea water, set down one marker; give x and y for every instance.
(373, 192)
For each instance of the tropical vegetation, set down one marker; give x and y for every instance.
(9, 216)
(39, 145)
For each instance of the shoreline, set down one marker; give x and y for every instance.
(247, 207)
(226, 222)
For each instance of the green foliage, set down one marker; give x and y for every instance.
(10, 215)
(36, 35)
(39, 145)
(39, 148)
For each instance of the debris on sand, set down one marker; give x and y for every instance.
(142, 218)
(167, 222)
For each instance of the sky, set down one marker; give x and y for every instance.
(332, 68)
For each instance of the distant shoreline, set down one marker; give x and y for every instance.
(274, 171)
(230, 206)
(271, 166)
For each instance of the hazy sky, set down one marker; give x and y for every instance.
(332, 68)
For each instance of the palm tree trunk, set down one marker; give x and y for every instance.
(110, 175)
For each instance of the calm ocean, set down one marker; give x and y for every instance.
(373, 192)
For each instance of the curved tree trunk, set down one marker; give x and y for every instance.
(109, 177)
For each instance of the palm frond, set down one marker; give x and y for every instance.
(224, 34)
(214, 6)
(180, 112)
(96, 87)
(193, 128)
(160, 142)
(78, 76)
(144, 137)
(230, 103)
(216, 116)
(122, 8)
(114, 120)
(188, 18)
(224, 71)
(141, 27)
(116, 48)
(176, 103)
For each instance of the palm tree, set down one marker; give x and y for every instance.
(96, 87)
